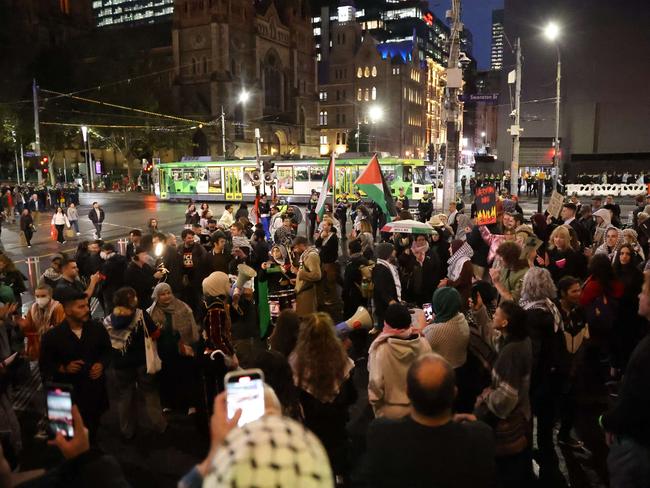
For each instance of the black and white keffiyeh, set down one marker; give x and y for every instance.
(457, 260)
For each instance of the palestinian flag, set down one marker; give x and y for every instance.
(373, 183)
(327, 185)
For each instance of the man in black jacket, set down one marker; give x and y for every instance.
(96, 216)
(386, 283)
(351, 293)
(459, 453)
(112, 270)
(425, 208)
(141, 276)
(193, 269)
(77, 352)
(628, 423)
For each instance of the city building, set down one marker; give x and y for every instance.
(390, 21)
(378, 96)
(604, 100)
(254, 62)
(496, 62)
(128, 12)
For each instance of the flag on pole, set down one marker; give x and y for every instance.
(373, 183)
(327, 184)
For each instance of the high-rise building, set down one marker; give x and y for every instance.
(497, 40)
(120, 12)
(389, 21)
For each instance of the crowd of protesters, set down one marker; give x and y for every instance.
(472, 333)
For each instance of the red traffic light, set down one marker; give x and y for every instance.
(45, 171)
(44, 160)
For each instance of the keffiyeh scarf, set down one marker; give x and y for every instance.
(457, 260)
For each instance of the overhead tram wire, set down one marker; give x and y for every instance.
(132, 109)
(162, 128)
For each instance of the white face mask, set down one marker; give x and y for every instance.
(42, 301)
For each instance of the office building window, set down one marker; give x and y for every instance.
(322, 117)
(374, 71)
(374, 93)
(359, 72)
(359, 94)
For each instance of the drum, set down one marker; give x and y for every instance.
(281, 301)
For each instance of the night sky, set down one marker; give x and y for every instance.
(477, 17)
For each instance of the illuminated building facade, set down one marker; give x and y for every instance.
(120, 12)
(496, 61)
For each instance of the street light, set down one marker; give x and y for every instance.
(376, 114)
(552, 33)
(244, 97)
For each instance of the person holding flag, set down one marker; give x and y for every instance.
(372, 182)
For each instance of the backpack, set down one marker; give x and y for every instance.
(367, 287)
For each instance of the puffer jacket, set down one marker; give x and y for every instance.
(389, 359)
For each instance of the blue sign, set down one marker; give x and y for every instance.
(29, 154)
(482, 97)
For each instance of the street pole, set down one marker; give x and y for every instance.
(22, 160)
(452, 107)
(516, 129)
(65, 172)
(223, 132)
(358, 135)
(259, 161)
(16, 158)
(90, 165)
(556, 152)
(37, 132)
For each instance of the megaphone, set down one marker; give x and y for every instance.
(256, 178)
(244, 274)
(269, 177)
(360, 320)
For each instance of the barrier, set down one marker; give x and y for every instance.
(604, 189)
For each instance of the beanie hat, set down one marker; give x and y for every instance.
(508, 206)
(271, 451)
(216, 285)
(384, 250)
(397, 316)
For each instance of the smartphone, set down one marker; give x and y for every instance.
(59, 410)
(428, 311)
(245, 391)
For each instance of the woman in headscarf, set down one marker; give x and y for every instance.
(545, 328)
(276, 271)
(179, 335)
(44, 314)
(613, 241)
(603, 219)
(421, 272)
(449, 337)
(464, 223)
(460, 270)
(628, 327)
(631, 237)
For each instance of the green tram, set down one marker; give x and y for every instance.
(233, 180)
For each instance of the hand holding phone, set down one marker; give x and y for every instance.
(59, 410)
(245, 392)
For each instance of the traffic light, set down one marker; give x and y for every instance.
(44, 162)
(46, 170)
(431, 151)
(268, 166)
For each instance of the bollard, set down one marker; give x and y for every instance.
(121, 246)
(33, 272)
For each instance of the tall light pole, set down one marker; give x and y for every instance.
(243, 98)
(376, 115)
(515, 129)
(452, 105)
(86, 136)
(552, 32)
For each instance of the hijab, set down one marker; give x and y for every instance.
(181, 314)
(445, 304)
(420, 251)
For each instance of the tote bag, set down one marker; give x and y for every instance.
(154, 364)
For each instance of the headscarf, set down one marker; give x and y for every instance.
(604, 248)
(463, 221)
(283, 251)
(216, 285)
(547, 305)
(445, 304)
(420, 251)
(181, 313)
(460, 256)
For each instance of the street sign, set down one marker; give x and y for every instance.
(481, 97)
(29, 154)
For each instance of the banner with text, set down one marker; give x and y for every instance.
(486, 205)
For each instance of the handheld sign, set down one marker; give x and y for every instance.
(555, 204)
(486, 205)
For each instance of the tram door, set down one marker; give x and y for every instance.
(344, 181)
(233, 184)
(163, 182)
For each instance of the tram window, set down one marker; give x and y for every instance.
(177, 174)
(421, 176)
(188, 175)
(317, 174)
(407, 173)
(301, 173)
(202, 174)
(389, 174)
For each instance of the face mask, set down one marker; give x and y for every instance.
(103, 255)
(42, 301)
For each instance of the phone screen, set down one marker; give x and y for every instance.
(428, 311)
(245, 391)
(59, 411)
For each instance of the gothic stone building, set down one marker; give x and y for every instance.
(264, 48)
